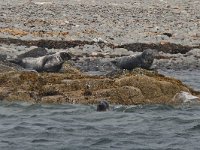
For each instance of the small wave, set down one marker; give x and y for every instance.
(40, 124)
(102, 141)
(196, 127)
(16, 104)
(59, 129)
(177, 119)
(134, 108)
(21, 128)
(66, 112)
(89, 128)
(40, 141)
(5, 116)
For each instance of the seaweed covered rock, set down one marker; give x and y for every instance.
(136, 87)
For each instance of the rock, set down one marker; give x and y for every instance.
(179, 61)
(99, 40)
(194, 52)
(106, 25)
(185, 97)
(121, 52)
(91, 48)
(102, 65)
(3, 57)
(167, 34)
(6, 66)
(137, 87)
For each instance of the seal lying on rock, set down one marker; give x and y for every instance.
(47, 63)
(143, 60)
(36, 52)
(103, 106)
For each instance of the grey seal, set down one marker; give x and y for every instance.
(103, 106)
(144, 60)
(36, 52)
(47, 63)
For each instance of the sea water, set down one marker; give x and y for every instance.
(26, 126)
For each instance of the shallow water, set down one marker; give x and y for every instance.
(74, 127)
(190, 78)
(63, 127)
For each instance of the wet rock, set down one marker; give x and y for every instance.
(55, 99)
(162, 37)
(190, 60)
(78, 52)
(194, 52)
(167, 34)
(91, 48)
(96, 34)
(69, 87)
(121, 52)
(6, 66)
(3, 57)
(99, 40)
(185, 97)
(96, 64)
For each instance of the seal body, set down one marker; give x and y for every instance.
(47, 63)
(143, 60)
(103, 106)
(36, 52)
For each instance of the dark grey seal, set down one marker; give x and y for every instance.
(143, 60)
(103, 106)
(47, 63)
(36, 52)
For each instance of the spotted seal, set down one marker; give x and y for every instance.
(103, 106)
(47, 63)
(35, 52)
(144, 60)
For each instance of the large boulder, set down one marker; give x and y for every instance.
(136, 87)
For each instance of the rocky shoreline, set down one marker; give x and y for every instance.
(95, 34)
(137, 87)
(114, 21)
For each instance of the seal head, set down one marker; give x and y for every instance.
(65, 55)
(103, 106)
(147, 58)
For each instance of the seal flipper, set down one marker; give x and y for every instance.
(16, 61)
(42, 67)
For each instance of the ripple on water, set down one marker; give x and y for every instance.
(56, 127)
